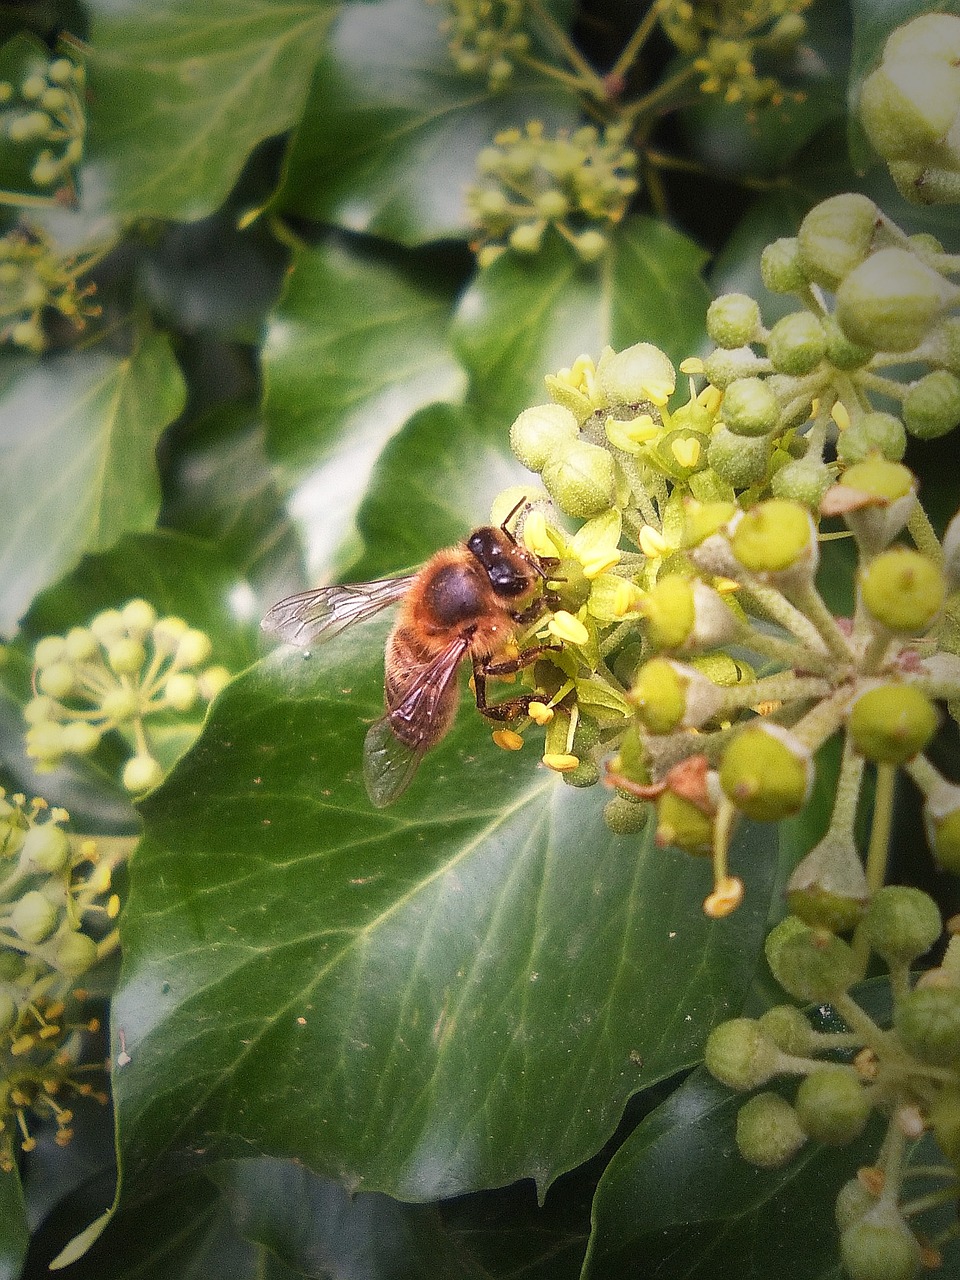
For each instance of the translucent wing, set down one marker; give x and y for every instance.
(388, 764)
(324, 612)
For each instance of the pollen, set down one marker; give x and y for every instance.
(726, 897)
(565, 626)
(560, 762)
(652, 542)
(540, 713)
(507, 739)
(686, 452)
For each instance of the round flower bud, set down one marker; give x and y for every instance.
(873, 433)
(789, 1029)
(908, 105)
(750, 408)
(892, 723)
(181, 691)
(797, 343)
(167, 633)
(75, 954)
(733, 320)
(810, 964)
(928, 1024)
(931, 406)
(832, 1106)
(738, 459)
(890, 301)
(903, 590)
(766, 772)
(211, 681)
(740, 1055)
(126, 656)
(141, 773)
(49, 650)
(902, 923)
(660, 695)
(60, 71)
(590, 245)
(527, 237)
(585, 774)
(641, 372)
(45, 742)
(941, 817)
(193, 648)
(539, 433)
(804, 481)
(780, 267)
(80, 737)
(8, 1012)
(39, 709)
(625, 817)
(853, 1201)
(841, 352)
(57, 679)
(108, 626)
(683, 826)
(934, 35)
(724, 367)
(775, 536)
(944, 1120)
(119, 704)
(768, 1132)
(670, 612)
(46, 848)
(81, 644)
(33, 917)
(880, 1246)
(138, 616)
(836, 236)
(581, 479)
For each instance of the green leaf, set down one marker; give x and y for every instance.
(391, 130)
(77, 467)
(180, 95)
(453, 993)
(524, 318)
(353, 348)
(14, 1235)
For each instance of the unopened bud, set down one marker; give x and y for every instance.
(891, 300)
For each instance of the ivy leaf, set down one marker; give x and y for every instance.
(354, 347)
(180, 95)
(14, 1234)
(77, 466)
(524, 318)
(453, 993)
(390, 134)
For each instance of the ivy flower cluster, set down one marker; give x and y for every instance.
(126, 668)
(580, 183)
(46, 114)
(907, 1073)
(56, 913)
(486, 38)
(34, 278)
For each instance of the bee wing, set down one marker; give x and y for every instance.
(388, 764)
(325, 611)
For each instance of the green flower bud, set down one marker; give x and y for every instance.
(108, 626)
(49, 650)
(740, 1055)
(8, 1012)
(45, 743)
(931, 406)
(944, 1120)
(880, 1246)
(902, 923)
(836, 236)
(46, 848)
(853, 1201)
(903, 590)
(908, 105)
(60, 71)
(873, 433)
(57, 679)
(29, 126)
(75, 954)
(120, 704)
(80, 737)
(810, 964)
(641, 372)
(138, 616)
(540, 432)
(581, 479)
(841, 352)
(590, 245)
(739, 459)
(890, 301)
(733, 320)
(774, 537)
(81, 645)
(804, 481)
(928, 1024)
(892, 723)
(724, 367)
(683, 826)
(797, 343)
(167, 633)
(527, 237)
(39, 709)
(766, 772)
(659, 694)
(586, 774)
(750, 408)
(780, 267)
(126, 656)
(142, 773)
(768, 1132)
(33, 917)
(686, 614)
(181, 691)
(832, 1106)
(193, 648)
(941, 817)
(624, 816)
(789, 1029)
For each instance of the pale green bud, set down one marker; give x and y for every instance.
(891, 300)
(540, 432)
(836, 236)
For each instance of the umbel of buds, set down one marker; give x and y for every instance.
(126, 667)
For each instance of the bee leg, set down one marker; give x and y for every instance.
(509, 665)
(510, 708)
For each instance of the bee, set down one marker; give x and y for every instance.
(467, 601)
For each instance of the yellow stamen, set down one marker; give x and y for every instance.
(725, 898)
(113, 906)
(507, 740)
(540, 713)
(565, 626)
(561, 762)
(537, 537)
(599, 563)
(692, 364)
(686, 451)
(627, 598)
(840, 415)
(726, 586)
(710, 398)
(652, 542)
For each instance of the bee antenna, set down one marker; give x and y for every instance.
(510, 514)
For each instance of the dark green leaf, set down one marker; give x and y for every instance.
(14, 1236)
(453, 993)
(524, 318)
(353, 348)
(180, 95)
(77, 467)
(391, 130)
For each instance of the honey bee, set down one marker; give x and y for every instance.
(467, 601)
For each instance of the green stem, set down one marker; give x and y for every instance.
(567, 78)
(774, 605)
(20, 200)
(785, 652)
(591, 81)
(811, 603)
(923, 534)
(876, 865)
(667, 89)
(636, 42)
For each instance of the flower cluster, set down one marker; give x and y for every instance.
(55, 901)
(46, 114)
(910, 108)
(486, 38)
(908, 1074)
(579, 183)
(127, 666)
(35, 278)
(728, 40)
